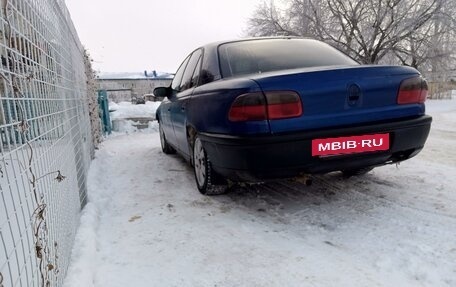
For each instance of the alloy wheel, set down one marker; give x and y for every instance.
(199, 158)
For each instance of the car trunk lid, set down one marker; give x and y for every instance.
(341, 96)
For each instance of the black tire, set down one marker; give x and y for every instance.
(356, 171)
(206, 179)
(166, 148)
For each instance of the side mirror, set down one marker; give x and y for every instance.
(162, 92)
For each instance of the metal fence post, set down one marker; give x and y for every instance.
(104, 111)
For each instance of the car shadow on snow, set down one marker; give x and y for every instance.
(329, 199)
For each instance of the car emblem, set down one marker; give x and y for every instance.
(354, 94)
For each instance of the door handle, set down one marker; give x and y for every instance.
(183, 108)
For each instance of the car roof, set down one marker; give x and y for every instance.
(218, 43)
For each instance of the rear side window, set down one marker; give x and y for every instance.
(175, 85)
(189, 71)
(196, 74)
(258, 56)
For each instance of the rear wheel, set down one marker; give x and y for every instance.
(166, 148)
(356, 171)
(206, 178)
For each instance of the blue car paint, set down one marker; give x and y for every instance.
(323, 92)
(211, 104)
(179, 119)
(338, 101)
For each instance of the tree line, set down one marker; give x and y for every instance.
(417, 33)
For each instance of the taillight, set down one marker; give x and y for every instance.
(255, 106)
(412, 91)
(248, 107)
(283, 105)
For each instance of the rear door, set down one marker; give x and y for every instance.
(168, 105)
(179, 107)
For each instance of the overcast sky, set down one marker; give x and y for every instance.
(138, 35)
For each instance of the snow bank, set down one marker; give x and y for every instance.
(129, 126)
(126, 117)
(86, 244)
(125, 110)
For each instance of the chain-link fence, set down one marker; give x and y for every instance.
(46, 140)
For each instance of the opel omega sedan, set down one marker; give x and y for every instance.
(268, 108)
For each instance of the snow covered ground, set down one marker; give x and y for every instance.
(147, 225)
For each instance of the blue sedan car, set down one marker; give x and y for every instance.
(268, 108)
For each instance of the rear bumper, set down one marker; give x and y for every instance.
(254, 158)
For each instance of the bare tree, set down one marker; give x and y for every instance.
(431, 47)
(367, 30)
(269, 20)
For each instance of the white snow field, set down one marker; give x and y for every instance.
(147, 225)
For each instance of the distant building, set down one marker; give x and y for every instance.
(130, 86)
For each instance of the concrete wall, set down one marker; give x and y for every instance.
(126, 88)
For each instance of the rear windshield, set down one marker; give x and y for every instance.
(258, 56)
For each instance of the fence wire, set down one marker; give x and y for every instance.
(46, 141)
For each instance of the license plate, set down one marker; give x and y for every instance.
(352, 144)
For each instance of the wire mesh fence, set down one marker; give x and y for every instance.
(46, 140)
